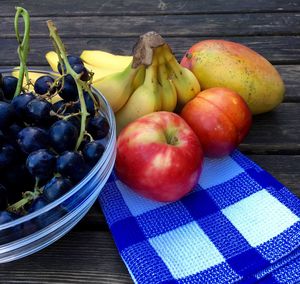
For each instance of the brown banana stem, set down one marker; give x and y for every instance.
(143, 49)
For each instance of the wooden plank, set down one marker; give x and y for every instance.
(167, 25)
(290, 76)
(284, 168)
(278, 127)
(277, 49)
(60, 276)
(135, 7)
(93, 221)
(79, 257)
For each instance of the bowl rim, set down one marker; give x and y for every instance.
(109, 148)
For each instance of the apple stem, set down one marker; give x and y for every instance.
(172, 140)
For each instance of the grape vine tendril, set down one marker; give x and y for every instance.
(23, 47)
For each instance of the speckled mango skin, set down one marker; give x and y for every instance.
(220, 63)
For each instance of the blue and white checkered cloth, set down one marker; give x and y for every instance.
(239, 225)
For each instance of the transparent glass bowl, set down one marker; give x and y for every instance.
(37, 230)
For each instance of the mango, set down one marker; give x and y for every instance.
(221, 63)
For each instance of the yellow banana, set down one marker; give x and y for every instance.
(186, 84)
(33, 76)
(139, 78)
(144, 100)
(99, 73)
(105, 60)
(52, 60)
(117, 87)
(167, 89)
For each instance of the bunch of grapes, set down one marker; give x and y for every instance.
(45, 147)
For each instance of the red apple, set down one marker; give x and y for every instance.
(159, 156)
(220, 118)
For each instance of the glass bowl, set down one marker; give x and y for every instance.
(37, 230)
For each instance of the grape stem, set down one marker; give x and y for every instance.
(20, 204)
(61, 52)
(64, 117)
(23, 47)
(90, 136)
(28, 196)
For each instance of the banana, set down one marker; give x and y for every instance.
(99, 73)
(186, 84)
(52, 60)
(144, 100)
(33, 76)
(139, 78)
(167, 89)
(105, 60)
(117, 87)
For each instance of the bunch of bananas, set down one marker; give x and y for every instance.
(167, 86)
(136, 86)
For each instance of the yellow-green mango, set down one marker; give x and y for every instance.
(221, 63)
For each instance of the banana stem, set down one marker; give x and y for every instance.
(60, 50)
(170, 59)
(151, 80)
(173, 65)
(160, 56)
(162, 68)
(151, 75)
(151, 70)
(23, 47)
(167, 52)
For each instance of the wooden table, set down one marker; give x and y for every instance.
(87, 254)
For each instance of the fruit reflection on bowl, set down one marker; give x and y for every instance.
(36, 230)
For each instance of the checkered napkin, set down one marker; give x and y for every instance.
(239, 225)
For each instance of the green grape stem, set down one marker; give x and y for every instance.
(28, 196)
(95, 101)
(60, 50)
(90, 136)
(66, 117)
(15, 208)
(23, 47)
